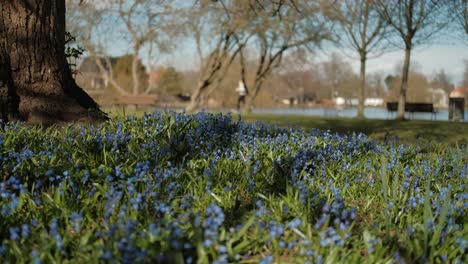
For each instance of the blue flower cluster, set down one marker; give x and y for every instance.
(212, 223)
(205, 188)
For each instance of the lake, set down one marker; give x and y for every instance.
(369, 112)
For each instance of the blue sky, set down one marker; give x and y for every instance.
(429, 59)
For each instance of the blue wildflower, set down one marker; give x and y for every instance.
(462, 244)
(266, 260)
(295, 223)
(14, 233)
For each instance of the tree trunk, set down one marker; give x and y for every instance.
(362, 89)
(251, 95)
(8, 98)
(195, 97)
(135, 73)
(404, 85)
(40, 85)
(248, 105)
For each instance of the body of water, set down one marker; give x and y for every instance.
(369, 112)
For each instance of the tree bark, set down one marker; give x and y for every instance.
(248, 105)
(251, 96)
(195, 97)
(362, 88)
(8, 98)
(135, 73)
(41, 87)
(404, 85)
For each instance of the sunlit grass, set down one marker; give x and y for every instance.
(416, 132)
(176, 188)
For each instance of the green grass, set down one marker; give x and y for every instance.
(176, 188)
(412, 132)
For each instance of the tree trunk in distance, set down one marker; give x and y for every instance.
(404, 85)
(195, 97)
(362, 88)
(32, 41)
(135, 76)
(251, 95)
(248, 105)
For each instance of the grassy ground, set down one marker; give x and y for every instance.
(415, 132)
(176, 188)
(410, 131)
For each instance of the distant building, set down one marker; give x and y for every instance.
(439, 97)
(374, 102)
(459, 92)
(342, 101)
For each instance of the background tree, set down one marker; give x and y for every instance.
(278, 28)
(143, 26)
(170, 81)
(415, 22)
(125, 74)
(92, 23)
(376, 84)
(419, 87)
(389, 82)
(336, 73)
(295, 76)
(37, 84)
(222, 25)
(460, 8)
(441, 80)
(465, 73)
(364, 29)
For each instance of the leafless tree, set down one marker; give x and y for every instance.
(415, 22)
(465, 73)
(268, 29)
(222, 23)
(144, 25)
(461, 14)
(376, 84)
(364, 29)
(441, 80)
(336, 72)
(91, 25)
(278, 28)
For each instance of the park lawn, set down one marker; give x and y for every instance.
(414, 132)
(203, 188)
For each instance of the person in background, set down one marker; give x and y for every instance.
(240, 89)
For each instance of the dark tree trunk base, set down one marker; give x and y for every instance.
(9, 101)
(72, 105)
(37, 85)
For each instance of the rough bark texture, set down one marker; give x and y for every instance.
(8, 98)
(34, 67)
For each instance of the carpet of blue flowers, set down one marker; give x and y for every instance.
(176, 188)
